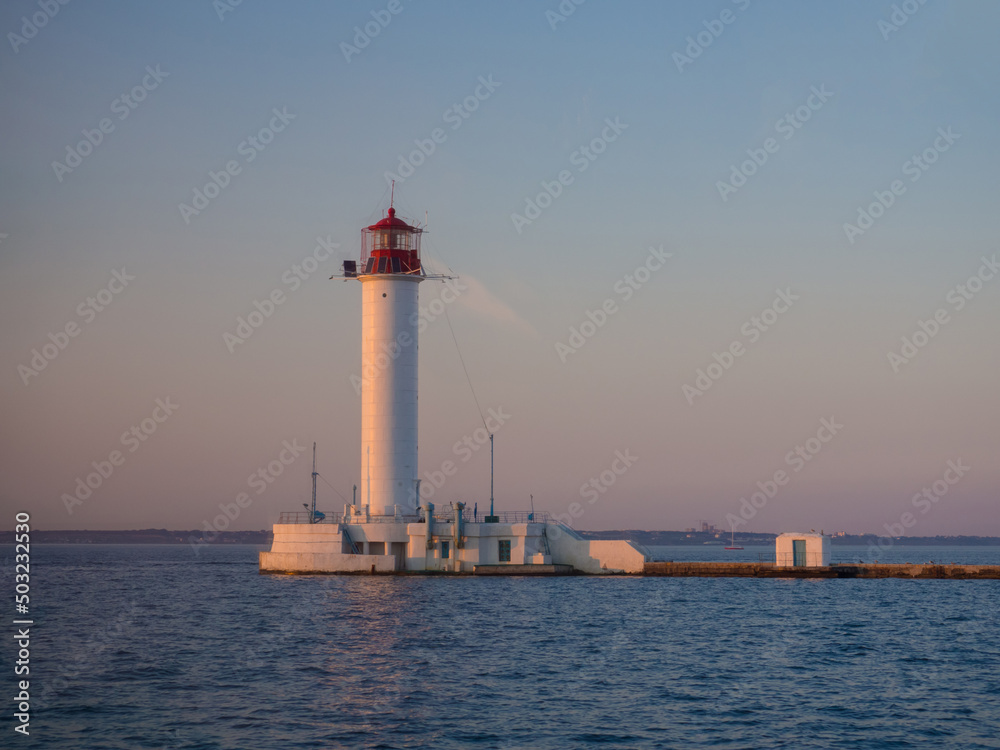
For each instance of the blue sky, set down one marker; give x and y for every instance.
(349, 122)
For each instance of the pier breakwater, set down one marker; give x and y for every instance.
(862, 570)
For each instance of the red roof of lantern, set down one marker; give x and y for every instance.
(391, 221)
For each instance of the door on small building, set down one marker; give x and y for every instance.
(399, 551)
(798, 552)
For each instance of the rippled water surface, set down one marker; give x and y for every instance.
(153, 647)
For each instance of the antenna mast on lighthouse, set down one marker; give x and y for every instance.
(312, 512)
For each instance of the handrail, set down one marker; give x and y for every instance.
(354, 547)
(519, 516)
(300, 516)
(441, 515)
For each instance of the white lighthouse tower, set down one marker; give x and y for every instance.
(387, 529)
(389, 272)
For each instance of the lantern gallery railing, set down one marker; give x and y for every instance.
(511, 516)
(440, 514)
(302, 516)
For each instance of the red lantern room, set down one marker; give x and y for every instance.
(390, 246)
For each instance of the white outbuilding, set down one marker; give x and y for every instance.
(794, 549)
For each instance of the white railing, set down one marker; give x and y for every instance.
(441, 515)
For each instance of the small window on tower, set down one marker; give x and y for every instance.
(504, 550)
(445, 550)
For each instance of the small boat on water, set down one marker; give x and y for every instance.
(732, 540)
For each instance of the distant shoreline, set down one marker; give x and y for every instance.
(647, 538)
(707, 539)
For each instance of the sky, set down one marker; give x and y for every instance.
(703, 250)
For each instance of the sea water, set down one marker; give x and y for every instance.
(159, 647)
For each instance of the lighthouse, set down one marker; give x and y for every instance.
(390, 273)
(387, 529)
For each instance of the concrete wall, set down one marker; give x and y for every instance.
(594, 556)
(420, 558)
(481, 546)
(306, 538)
(525, 542)
(618, 554)
(325, 562)
(321, 548)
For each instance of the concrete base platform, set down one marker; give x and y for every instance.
(769, 570)
(444, 544)
(525, 570)
(306, 563)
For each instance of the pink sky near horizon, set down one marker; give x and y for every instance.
(527, 287)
